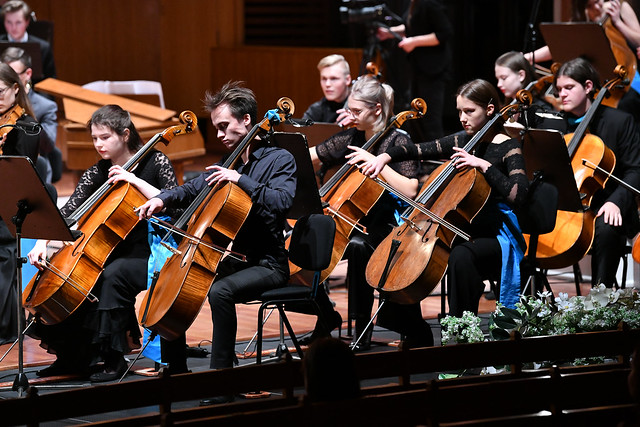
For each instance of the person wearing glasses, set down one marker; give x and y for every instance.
(50, 160)
(16, 142)
(371, 106)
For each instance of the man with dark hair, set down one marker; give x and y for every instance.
(49, 162)
(268, 176)
(16, 16)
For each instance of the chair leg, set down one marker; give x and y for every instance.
(292, 335)
(577, 277)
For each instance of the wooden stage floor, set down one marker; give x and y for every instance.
(199, 334)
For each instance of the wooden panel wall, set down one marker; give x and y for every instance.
(274, 72)
(163, 40)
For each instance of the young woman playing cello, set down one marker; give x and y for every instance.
(371, 105)
(494, 231)
(106, 330)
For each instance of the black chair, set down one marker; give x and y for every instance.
(310, 248)
(537, 216)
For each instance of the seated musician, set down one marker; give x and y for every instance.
(495, 234)
(45, 110)
(17, 17)
(624, 19)
(371, 105)
(106, 330)
(335, 79)
(267, 175)
(615, 206)
(16, 143)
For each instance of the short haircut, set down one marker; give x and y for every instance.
(580, 70)
(16, 6)
(330, 60)
(240, 100)
(12, 54)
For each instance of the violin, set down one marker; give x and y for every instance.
(349, 196)
(412, 259)
(212, 221)
(7, 119)
(105, 219)
(573, 233)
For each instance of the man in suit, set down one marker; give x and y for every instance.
(17, 16)
(49, 162)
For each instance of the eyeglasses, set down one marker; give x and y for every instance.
(3, 90)
(22, 72)
(355, 112)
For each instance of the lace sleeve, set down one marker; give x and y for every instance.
(332, 151)
(507, 175)
(436, 149)
(89, 182)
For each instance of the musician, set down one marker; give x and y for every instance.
(617, 217)
(625, 20)
(18, 142)
(513, 73)
(495, 234)
(335, 79)
(426, 39)
(106, 330)
(17, 17)
(45, 110)
(371, 105)
(267, 175)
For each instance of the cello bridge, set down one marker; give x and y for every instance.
(411, 224)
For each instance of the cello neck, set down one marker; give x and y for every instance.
(584, 124)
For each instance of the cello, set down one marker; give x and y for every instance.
(623, 55)
(349, 195)
(105, 219)
(410, 262)
(212, 221)
(573, 233)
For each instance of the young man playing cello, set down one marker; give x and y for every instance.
(615, 207)
(267, 175)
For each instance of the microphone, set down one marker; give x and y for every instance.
(30, 128)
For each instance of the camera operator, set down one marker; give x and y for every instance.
(425, 37)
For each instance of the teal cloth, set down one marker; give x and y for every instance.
(512, 245)
(159, 255)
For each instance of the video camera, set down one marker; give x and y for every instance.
(363, 11)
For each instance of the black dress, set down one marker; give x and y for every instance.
(110, 325)
(18, 143)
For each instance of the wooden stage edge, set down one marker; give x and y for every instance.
(199, 334)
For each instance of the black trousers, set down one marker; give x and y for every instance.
(470, 263)
(237, 283)
(607, 249)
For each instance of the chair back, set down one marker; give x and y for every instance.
(311, 243)
(538, 215)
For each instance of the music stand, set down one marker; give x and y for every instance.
(307, 199)
(34, 215)
(593, 45)
(548, 165)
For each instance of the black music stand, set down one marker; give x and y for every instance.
(593, 45)
(549, 170)
(307, 200)
(34, 215)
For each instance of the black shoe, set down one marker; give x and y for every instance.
(335, 321)
(217, 400)
(57, 368)
(110, 373)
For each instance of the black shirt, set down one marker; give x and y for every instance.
(323, 111)
(269, 178)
